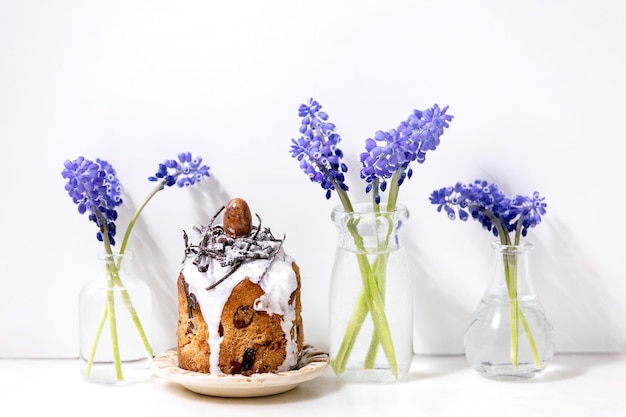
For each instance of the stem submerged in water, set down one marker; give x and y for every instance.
(114, 282)
(516, 313)
(370, 300)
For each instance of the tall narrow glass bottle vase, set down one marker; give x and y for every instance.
(371, 324)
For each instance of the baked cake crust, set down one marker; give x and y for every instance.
(252, 340)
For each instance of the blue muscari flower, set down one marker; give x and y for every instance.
(386, 154)
(530, 210)
(487, 204)
(392, 152)
(317, 150)
(95, 189)
(185, 172)
(425, 128)
(481, 201)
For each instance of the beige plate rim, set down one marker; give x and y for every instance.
(313, 363)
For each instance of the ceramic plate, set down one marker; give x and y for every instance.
(312, 364)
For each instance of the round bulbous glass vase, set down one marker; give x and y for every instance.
(115, 312)
(509, 335)
(371, 327)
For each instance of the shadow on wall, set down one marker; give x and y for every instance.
(439, 320)
(155, 265)
(579, 301)
(209, 200)
(576, 297)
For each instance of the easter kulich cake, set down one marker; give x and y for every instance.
(239, 308)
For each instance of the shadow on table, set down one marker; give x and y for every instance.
(434, 366)
(568, 366)
(563, 366)
(325, 385)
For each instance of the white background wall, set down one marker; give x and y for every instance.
(537, 89)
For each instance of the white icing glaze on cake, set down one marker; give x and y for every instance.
(276, 278)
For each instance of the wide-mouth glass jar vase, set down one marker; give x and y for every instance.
(371, 319)
(509, 336)
(115, 313)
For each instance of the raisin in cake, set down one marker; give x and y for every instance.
(239, 309)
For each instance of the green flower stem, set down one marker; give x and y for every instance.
(118, 281)
(109, 312)
(133, 219)
(370, 300)
(380, 271)
(112, 270)
(381, 326)
(515, 309)
(531, 340)
(114, 280)
(94, 346)
(517, 316)
(394, 190)
(354, 326)
(510, 271)
(352, 330)
(134, 316)
(380, 265)
(109, 308)
(124, 293)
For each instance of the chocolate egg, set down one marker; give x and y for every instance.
(237, 218)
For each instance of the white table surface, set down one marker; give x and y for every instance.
(590, 385)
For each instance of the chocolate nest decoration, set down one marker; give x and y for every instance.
(232, 252)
